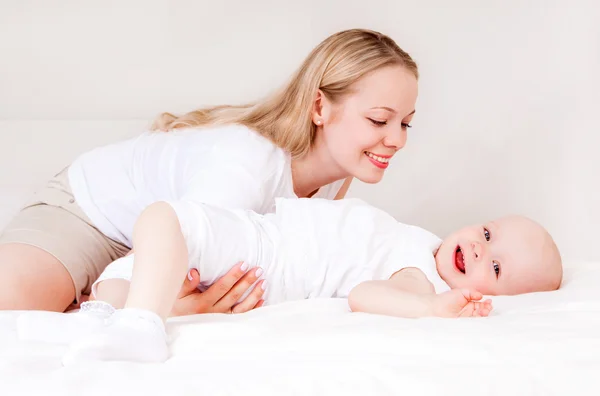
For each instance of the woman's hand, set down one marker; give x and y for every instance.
(222, 296)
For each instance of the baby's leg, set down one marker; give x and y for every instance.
(109, 293)
(162, 260)
(137, 332)
(113, 284)
(113, 292)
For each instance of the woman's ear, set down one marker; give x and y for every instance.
(321, 109)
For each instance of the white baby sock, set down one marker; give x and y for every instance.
(63, 328)
(136, 335)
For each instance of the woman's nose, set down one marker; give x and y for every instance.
(395, 139)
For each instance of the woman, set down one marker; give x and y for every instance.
(343, 115)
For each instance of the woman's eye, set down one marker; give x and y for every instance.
(486, 234)
(496, 269)
(405, 126)
(378, 123)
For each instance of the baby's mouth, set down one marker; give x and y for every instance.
(459, 259)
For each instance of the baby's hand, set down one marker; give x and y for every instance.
(461, 302)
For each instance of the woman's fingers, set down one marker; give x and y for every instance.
(192, 280)
(226, 303)
(221, 296)
(252, 300)
(224, 285)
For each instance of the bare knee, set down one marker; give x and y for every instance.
(32, 279)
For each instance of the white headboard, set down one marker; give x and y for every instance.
(507, 118)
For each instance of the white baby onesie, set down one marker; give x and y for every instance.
(308, 248)
(329, 247)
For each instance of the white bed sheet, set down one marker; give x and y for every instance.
(537, 344)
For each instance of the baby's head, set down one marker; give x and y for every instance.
(511, 255)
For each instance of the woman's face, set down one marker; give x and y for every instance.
(364, 130)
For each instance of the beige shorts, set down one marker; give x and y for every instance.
(54, 222)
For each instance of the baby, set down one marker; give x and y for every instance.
(309, 248)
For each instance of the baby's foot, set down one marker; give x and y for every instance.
(132, 335)
(63, 328)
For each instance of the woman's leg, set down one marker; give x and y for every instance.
(49, 256)
(33, 279)
(50, 252)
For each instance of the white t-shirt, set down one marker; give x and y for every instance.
(308, 248)
(229, 166)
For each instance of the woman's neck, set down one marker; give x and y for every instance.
(313, 171)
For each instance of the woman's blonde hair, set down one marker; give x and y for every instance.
(285, 117)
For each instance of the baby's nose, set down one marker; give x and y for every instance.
(477, 250)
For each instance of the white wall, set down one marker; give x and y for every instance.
(507, 118)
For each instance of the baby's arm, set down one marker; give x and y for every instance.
(409, 294)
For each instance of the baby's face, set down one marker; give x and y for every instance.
(511, 255)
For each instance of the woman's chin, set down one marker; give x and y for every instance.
(370, 177)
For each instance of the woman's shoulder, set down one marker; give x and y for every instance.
(230, 140)
(232, 134)
(244, 142)
(233, 147)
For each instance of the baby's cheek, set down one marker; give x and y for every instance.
(477, 283)
(483, 286)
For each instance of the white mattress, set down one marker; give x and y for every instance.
(546, 343)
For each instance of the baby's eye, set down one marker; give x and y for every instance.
(486, 234)
(496, 268)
